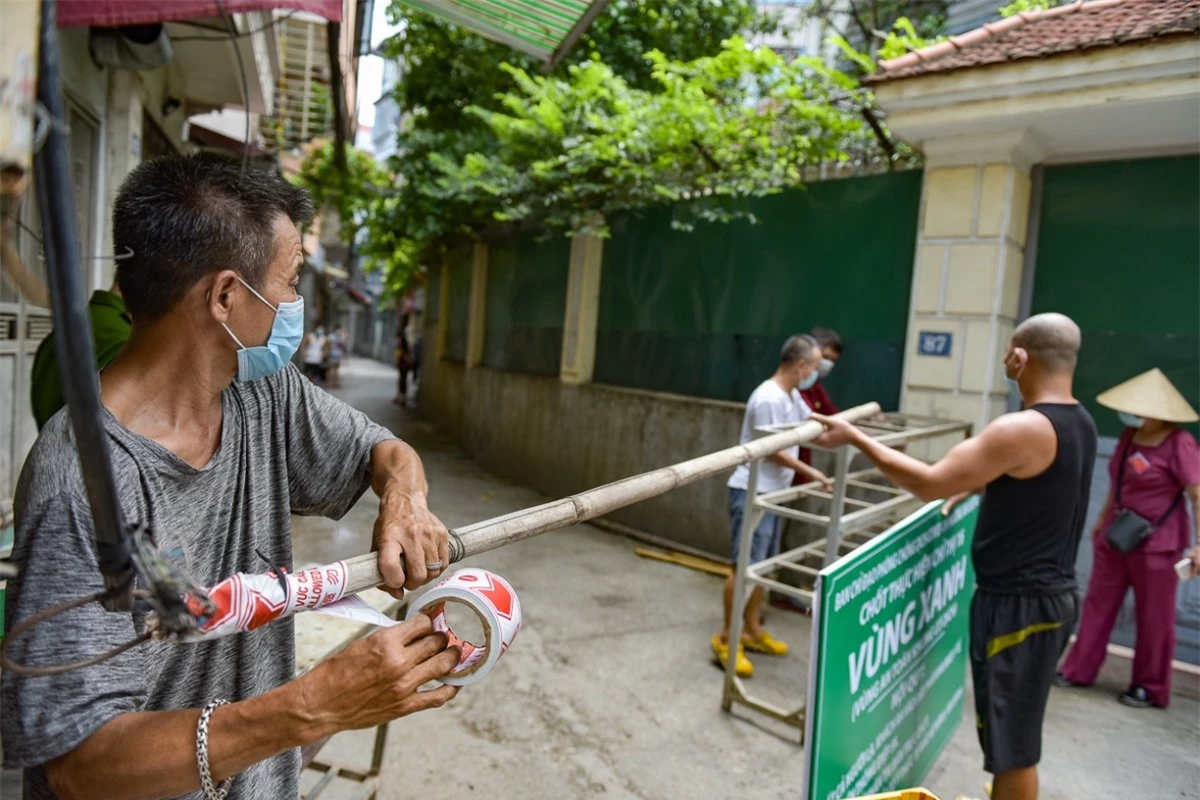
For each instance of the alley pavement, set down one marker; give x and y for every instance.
(609, 690)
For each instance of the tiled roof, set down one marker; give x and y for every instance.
(1039, 34)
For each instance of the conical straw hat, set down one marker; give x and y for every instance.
(1151, 396)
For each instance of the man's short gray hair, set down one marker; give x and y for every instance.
(800, 347)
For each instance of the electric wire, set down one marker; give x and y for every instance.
(237, 52)
(273, 23)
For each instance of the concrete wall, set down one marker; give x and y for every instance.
(561, 438)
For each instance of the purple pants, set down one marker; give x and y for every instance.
(1154, 581)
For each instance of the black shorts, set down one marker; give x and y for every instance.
(1016, 642)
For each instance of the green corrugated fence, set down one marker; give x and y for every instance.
(704, 313)
(1119, 252)
(526, 301)
(459, 287)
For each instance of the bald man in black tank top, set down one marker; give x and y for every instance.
(1034, 468)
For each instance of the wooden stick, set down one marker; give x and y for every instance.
(363, 570)
(685, 560)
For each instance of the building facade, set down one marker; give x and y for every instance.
(118, 117)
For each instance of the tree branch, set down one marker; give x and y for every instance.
(866, 30)
(881, 135)
(712, 162)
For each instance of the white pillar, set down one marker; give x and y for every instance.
(967, 276)
(477, 309)
(583, 309)
(443, 320)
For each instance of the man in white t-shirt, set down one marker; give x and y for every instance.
(777, 400)
(313, 350)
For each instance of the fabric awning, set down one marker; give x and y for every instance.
(545, 29)
(114, 13)
(206, 137)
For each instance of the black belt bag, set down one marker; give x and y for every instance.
(1130, 529)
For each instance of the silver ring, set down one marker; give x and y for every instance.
(433, 565)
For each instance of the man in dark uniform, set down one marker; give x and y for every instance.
(832, 347)
(1034, 468)
(815, 396)
(111, 326)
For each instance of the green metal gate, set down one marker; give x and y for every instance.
(703, 313)
(1118, 250)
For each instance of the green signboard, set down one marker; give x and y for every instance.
(889, 661)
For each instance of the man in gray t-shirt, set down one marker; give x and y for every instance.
(215, 443)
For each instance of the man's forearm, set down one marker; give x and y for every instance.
(152, 754)
(396, 472)
(908, 473)
(789, 461)
(413, 544)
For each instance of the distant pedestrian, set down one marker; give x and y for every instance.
(404, 365)
(417, 349)
(313, 351)
(336, 348)
(1142, 533)
(776, 401)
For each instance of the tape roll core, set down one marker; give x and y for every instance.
(493, 602)
(436, 610)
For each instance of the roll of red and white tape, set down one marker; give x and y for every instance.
(496, 604)
(247, 601)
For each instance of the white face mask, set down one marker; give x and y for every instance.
(825, 367)
(1130, 420)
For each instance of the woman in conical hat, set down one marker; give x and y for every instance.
(1155, 464)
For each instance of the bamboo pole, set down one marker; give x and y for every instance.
(363, 571)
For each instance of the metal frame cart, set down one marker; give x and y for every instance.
(851, 522)
(311, 638)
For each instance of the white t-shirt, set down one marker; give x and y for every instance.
(769, 405)
(314, 351)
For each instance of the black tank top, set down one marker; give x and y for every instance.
(1028, 530)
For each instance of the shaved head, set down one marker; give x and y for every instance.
(1051, 340)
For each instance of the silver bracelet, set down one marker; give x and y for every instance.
(211, 790)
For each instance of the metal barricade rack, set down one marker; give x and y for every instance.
(862, 505)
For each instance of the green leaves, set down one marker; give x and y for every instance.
(365, 201)
(1021, 6)
(718, 130)
(661, 102)
(353, 193)
(903, 38)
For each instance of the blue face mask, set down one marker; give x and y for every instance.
(284, 340)
(807, 383)
(1130, 420)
